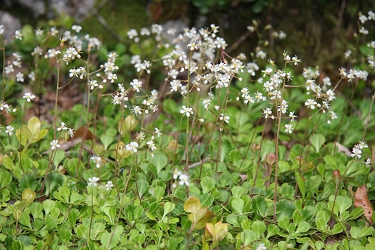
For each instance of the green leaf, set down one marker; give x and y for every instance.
(322, 218)
(285, 208)
(331, 161)
(106, 140)
(59, 155)
(301, 184)
(23, 135)
(272, 230)
(259, 227)
(159, 193)
(142, 187)
(237, 204)
(8, 163)
(208, 183)
(28, 181)
(48, 205)
(302, 227)
(53, 181)
(237, 191)
(159, 160)
(168, 207)
(317, 140)
(259, 204)
(284, 222)
(5, 178)
(207, 199)
(73, 216)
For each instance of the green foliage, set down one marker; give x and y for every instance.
(225, 153)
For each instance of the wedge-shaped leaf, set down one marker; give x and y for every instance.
(24, 135)
(168, 207)
(317, 140)
(5, 178)
(192, 204)
(203, 221)
(237, 204)
(302, 227)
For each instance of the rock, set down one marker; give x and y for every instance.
(10, 23)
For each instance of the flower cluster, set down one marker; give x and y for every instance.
(357, 150)
(64, 127)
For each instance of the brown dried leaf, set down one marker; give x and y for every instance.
(361, 200)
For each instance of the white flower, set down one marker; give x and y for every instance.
(288, 128)
(71, 132)
(136, 84)
(28, 96)
(151, 145)
(19, 77)
(93, 181)
(39, 31)
(18, 35)
(54, 144)
(184, 180)
(132, 147)
(1, 29)
(186, 111)
(224, 117)
(267, 113)
(261, 247)
(356, 152)
(62, 127)
(76, 28)
(9, 130)
(157, 132)
(109, 185)
(310, 103)
(97, 160)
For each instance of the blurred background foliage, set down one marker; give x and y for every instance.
(318, 31)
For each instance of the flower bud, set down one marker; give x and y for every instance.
(336, 175)
(270, 159)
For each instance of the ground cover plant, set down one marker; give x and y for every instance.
(175, 144)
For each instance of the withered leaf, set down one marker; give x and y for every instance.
(361, 200)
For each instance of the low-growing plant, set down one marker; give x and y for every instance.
(201, 150)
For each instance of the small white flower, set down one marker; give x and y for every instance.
(62, 127)
(93, 181)
(186, 111)
(357, 152)
(157, 132)
(71, 132)
(97, 160)
(54, 144)
(19, 77)
(224, 118)
(9, 130)
(136, 84)
(310, 103)
(28, 96)
(132, 147)
(76, 28)
(18, 35)
(151, 145)
(1, 29)
(184, 180)
(109, 186)
(288, 128)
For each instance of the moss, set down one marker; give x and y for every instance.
(120, 16)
